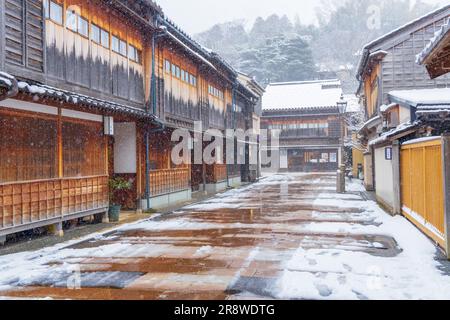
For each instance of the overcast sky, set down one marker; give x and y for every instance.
(198, 15)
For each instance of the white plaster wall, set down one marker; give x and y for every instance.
(384, 178)
(125, 148)
(404, 114)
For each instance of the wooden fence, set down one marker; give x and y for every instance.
(169, 180)
(220, 172)
(422, 187)
(29, 203)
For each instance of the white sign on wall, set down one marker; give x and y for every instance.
(333, 157)
(109, 125)
(125, 148)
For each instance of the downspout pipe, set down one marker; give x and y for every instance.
(233, 118)
(161, 33)
(226, 142)
(155, 36)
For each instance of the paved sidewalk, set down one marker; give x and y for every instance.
(286, 237)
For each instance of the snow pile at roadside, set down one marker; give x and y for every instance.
(341, 274)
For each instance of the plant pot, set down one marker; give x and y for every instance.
(114, 213)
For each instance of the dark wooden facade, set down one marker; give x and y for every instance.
(389, 63)
(309, 139)
(64, 79)
(75, 62)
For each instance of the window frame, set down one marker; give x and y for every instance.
(137, 58)
(174, 70)
(115, 41)
(94, 26)
(84, 20)
(51, 6)
(102, 33)
(167, 66)
(123, 48)
(70, 14)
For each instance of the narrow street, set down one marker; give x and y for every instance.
(286, 237)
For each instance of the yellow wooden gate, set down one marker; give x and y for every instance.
(422, 188)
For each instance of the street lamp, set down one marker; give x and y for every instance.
(342, 108)
(342, 105)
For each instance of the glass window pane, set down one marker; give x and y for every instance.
(71, 20)
(115, 44)
(174, 70)
(46, 9)
(168, 66)
(123, 48)
(105, 38)
(56, 12)
(132, 53)
(138, 56)
(83, 26)
(95, 36)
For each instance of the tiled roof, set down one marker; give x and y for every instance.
(66, 96)
(302, 95)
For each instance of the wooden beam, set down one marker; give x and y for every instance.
(2, 32)
(60, 145)
(446, 176)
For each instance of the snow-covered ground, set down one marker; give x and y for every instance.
(292, 233)
(336, 274)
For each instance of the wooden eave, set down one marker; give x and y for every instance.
(299, 112)
(141, 13)
(57, 96)
(437, 62)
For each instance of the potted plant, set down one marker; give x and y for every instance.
(116, 185)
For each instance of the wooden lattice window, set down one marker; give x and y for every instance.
(28, 147)
(84, 150)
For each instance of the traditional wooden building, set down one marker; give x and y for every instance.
(194, 85)
(311, 126)
(74, 69)
(254, 113)
(406, 132)
(90, 90)
(388, 64)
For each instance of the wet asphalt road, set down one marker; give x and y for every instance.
(234, 246)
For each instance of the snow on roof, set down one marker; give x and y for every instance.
(400, 129)
(422, 96)
(91, 102)
(6, 80)
(193, 52)
(352, 103)
(371, 122)
(387, 107)
(302, 94)
(405, 26)
(373, 43)
(421, 140)
(434, 42)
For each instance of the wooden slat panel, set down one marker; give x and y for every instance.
(170, 180)
(422, 190)
(434, 188)
(14, 11)
(34, 35)
(24, 203)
